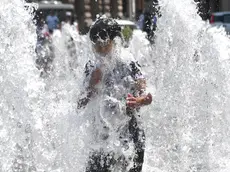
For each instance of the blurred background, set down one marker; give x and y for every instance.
(52, 15)
(84, 11)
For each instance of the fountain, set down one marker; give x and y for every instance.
(187, 69)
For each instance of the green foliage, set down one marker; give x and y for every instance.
(127, 33)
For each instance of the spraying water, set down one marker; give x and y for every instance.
(188, 123)
(20, 87)
(187, 127)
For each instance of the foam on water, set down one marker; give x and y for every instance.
(187, 126)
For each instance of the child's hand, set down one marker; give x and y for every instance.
(132, 101)
(135, 102)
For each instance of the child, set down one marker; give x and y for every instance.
(118, 90)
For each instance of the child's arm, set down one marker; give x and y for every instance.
(94, 79)
(140, 87)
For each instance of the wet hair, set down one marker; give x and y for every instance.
(103, 30)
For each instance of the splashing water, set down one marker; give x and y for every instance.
(20, 87)
(187, 126)
(188, 123)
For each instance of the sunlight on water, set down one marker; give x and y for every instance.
(187, 70)
(20, 87)
(189, 124)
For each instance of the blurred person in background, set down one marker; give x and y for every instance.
(68, 18)
(140, 20)
(147, 22)
(52, 21)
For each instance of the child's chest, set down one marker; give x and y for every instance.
(118, 81)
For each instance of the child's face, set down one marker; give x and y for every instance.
(104, 49)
